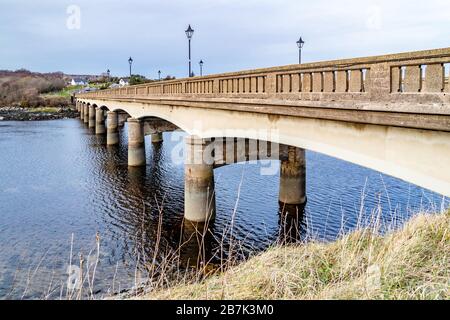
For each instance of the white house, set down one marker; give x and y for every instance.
(123, 83)
(77, 82)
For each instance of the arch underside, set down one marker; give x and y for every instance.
(417, 156)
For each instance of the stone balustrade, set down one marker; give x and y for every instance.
(405, 77)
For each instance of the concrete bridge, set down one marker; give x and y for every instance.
(389, 113)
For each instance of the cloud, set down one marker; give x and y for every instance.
(229, 35)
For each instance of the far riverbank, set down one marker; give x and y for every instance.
(36, 114)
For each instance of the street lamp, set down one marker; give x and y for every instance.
(159, 75)
(189, 32)
(130, 61)
(300, 44)
(108, 73)
(201, 67)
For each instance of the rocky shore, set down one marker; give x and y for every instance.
(36, 114)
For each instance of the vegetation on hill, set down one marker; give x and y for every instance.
(25, 89)
(139, 79)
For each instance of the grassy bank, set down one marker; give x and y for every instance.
(65, 92)
(410, 263)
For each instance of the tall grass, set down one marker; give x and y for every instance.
(378, 260)
(412, 262)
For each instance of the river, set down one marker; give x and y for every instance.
(62, 191)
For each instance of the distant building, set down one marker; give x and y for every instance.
(123, 83)
(77, 82)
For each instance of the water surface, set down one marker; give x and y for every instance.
(58, 180)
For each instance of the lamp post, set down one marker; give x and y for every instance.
(300, 44)
(108, 73)
(159, 75)
(130, 61)
(189, 32)
(201, 67)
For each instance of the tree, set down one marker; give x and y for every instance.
(137, 79)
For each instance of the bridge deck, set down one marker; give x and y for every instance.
(407, 90)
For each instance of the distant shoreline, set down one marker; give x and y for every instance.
(37, 114)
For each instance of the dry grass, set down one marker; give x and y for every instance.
(410, 263)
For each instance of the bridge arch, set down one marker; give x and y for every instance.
(414, 155)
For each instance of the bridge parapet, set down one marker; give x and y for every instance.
(417, 77)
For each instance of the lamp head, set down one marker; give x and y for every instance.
(300, 43)
(189, 32)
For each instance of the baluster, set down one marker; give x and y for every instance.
(295, 82)
(317, 82)
(434, 78)
(356, 80)
(413, 78)
(306, 82)
(341, 81)
(328, 81)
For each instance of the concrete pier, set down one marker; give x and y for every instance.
(293, 177)
(136, 143)
(81, 109)
(91, 116)
(157, 137)
(122, 119)
(112, 132)
(199, 195)
(99, 121)
(86, 114)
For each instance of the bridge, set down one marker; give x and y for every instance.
(389, 113)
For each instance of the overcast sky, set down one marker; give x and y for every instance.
(230, 35)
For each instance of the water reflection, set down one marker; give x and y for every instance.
(292, 223)
(198, 245)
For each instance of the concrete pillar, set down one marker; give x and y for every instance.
(86, 114)
(112, 132)
(136, 143)
(293, 177)
(99, 121)
(199, 196)
(157, 137)
(122, 119)
(81, 111)
(91, 117)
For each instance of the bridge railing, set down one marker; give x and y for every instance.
(397, 77)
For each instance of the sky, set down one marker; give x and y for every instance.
(89, 37)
